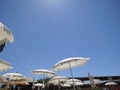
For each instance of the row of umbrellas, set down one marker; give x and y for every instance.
(6, 35)
(62, 65)
(21, 79)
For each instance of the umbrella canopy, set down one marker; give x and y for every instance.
(110, 83)
(70, 62)
(14, 79)
(39, 84)
(44, 71)
(5, 34)
(66, 85)
(96, 81)
(14, 76)
(57, 79)
(76, 82)
(4, 65)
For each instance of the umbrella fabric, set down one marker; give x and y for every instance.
(70, 63)
(14, 76)
(76, 82)
(44, 71)
(110, 83)
(97, 81)
(39, 84)
(5, 34)
(4, 66)
(57, 79)
(74, 62)
(66, 85)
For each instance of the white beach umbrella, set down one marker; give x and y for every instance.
(13, 76)
(97, 81)
(66, 85)
(39, 85)
(44, 72)
(5, 34)
(110, 83)
(4, 65)
(76, 82)
(57, 79)
(14, 79)
(70, 63)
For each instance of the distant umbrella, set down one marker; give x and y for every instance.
(70, 63)
(4, 66)
(110, 83)
(44, 72)
(57, 79)
(39, 85)
(76, 82)
(14, 78)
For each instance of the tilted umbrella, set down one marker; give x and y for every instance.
(70, 63)
(5, 34)
(4, 65)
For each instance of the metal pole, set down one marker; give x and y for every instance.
(72, 76)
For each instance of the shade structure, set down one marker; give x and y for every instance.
(110, 83)
(5, 34)
(4, 66)
(97, 81)
(39, 85)
(77, 82)
(14, 76)
(44, 71)
(66, 85)
(69, 63)
(56, 80)
(14, 79)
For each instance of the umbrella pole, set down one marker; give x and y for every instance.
(72, 76)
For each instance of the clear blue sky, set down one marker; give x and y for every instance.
(47, 31)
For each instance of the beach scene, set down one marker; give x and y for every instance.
(59, 45)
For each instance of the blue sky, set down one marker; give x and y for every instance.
(47, 31)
